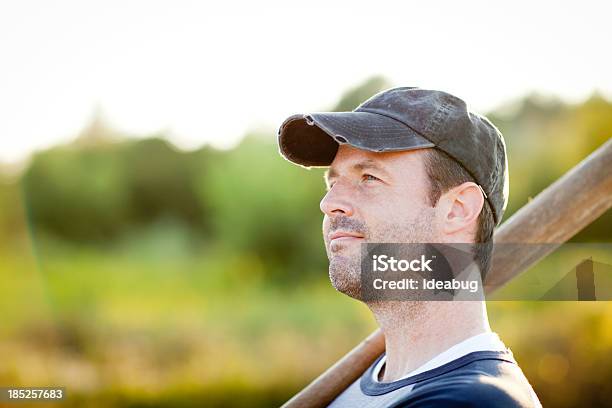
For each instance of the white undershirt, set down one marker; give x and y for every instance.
(488, 341)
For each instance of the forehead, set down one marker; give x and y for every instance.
(395, 164)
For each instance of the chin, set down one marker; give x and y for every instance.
(344, 274)
(348, 250)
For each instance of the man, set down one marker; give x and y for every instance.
(411, 165)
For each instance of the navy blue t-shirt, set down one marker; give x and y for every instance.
(478, 379)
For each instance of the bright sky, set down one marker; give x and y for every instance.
(207, 73)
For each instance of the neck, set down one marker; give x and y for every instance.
(417, 331)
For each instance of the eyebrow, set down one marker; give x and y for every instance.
(367, 164)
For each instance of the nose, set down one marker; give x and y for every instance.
(337, 201)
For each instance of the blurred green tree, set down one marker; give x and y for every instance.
(353, 97)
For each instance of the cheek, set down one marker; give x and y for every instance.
(393, 210)
(377, 216)
(390, 204)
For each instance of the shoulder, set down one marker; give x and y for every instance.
(504, 386)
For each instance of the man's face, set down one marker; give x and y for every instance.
(373, 197)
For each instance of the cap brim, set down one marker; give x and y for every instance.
(312, 140)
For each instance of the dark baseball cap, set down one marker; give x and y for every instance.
(402, 119)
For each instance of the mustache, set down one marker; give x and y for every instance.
(347, 224)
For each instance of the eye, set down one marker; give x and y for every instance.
(369, 177)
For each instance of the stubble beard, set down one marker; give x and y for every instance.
(345, 263)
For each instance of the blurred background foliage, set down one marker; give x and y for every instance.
(137, 274)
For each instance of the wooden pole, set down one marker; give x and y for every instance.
(554, 216)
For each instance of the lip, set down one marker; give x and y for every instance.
(341, 235)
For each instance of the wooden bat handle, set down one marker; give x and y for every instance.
(554, 216)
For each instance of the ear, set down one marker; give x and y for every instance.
(462, 206)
